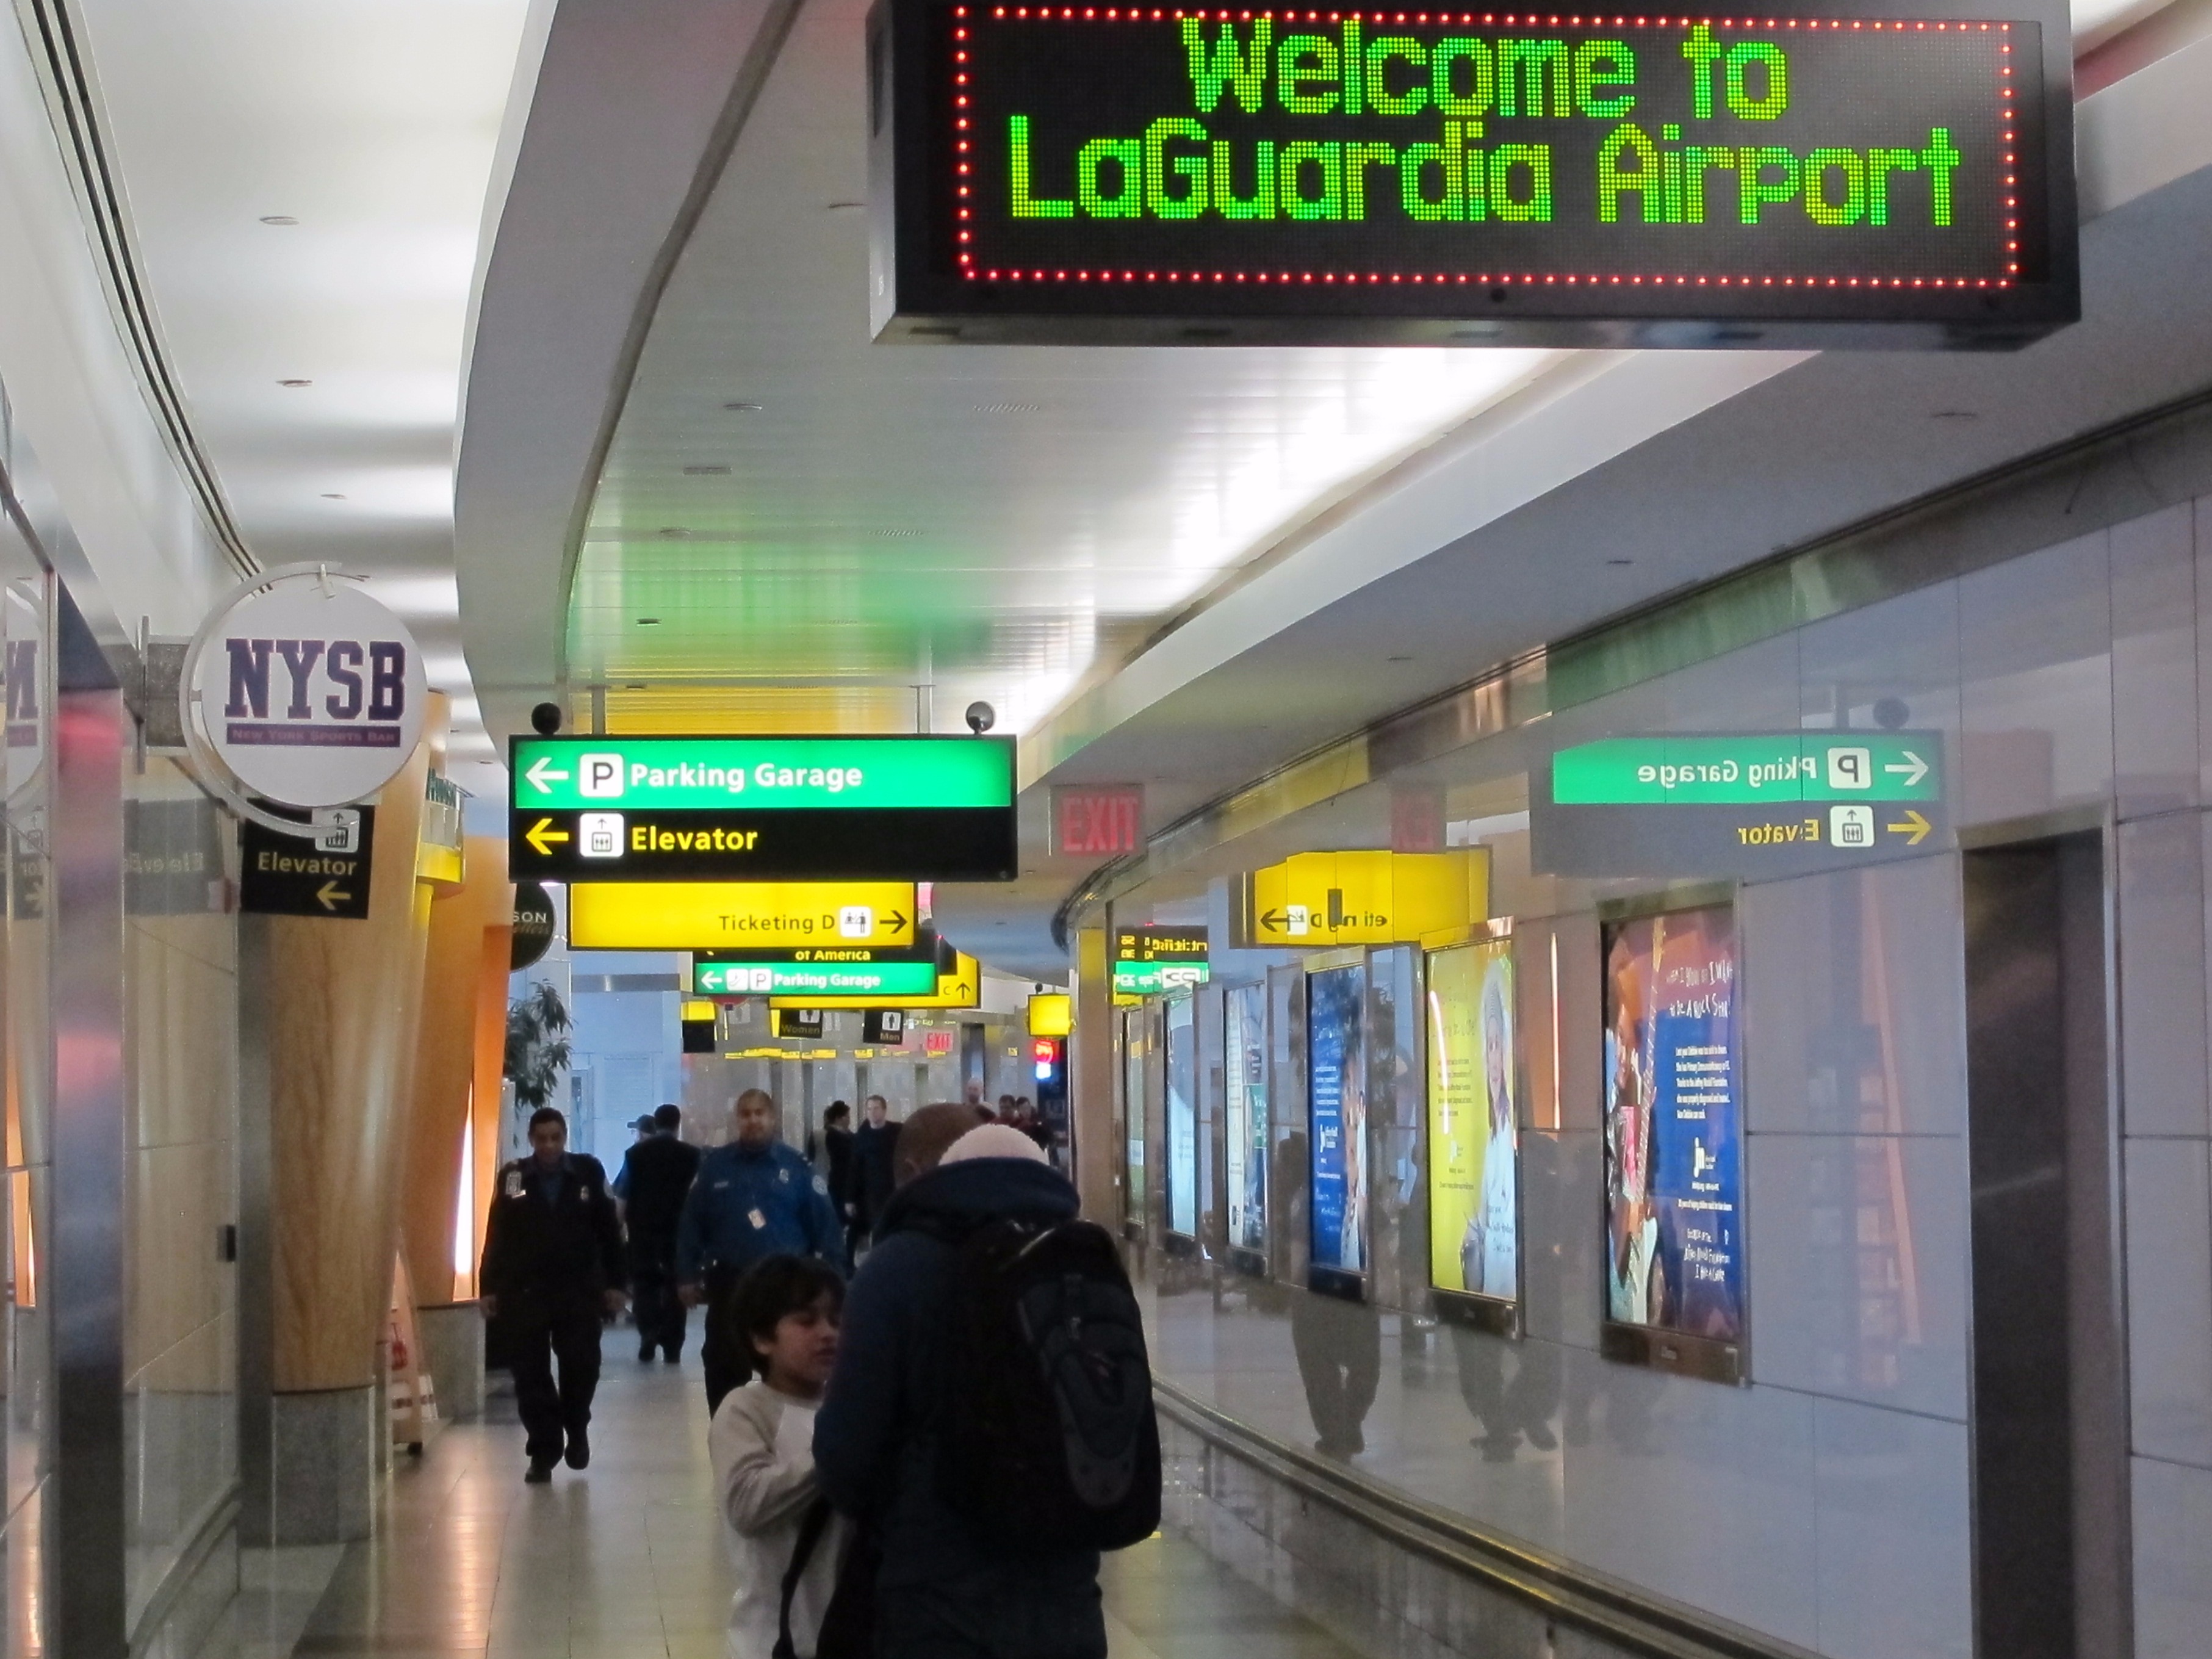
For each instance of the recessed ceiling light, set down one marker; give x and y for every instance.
(1620, 561)
(744, 409)
(1010, 409)
(1955, 414)
(672, 531)
(648, 622)
(331, 496)
(704, 471)
(635, 685)
(1401, 659)
(845, 207)
(278, 219)
(295, 383)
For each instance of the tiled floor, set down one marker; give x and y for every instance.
(626, 1561)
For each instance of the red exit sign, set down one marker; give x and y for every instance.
(1098, 820)
(936, 1043)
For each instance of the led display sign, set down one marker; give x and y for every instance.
(623, 809)
(1119, 173)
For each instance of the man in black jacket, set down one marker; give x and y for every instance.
(656, 1175)
(875, 1153)
(552, 1271)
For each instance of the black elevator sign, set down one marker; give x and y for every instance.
(1344, 167)
(326, 877)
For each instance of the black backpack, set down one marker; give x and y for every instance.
(1047, 1436)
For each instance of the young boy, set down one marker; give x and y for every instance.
(784, 1311)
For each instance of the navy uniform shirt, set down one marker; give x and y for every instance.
(552, 1231)
(748, 1203)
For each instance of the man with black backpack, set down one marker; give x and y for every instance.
(987, 1323)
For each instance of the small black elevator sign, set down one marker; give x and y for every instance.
(1352, 171)
(325, 876)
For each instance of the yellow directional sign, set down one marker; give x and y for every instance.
(1912, 826)
(541, 836)
(1314, 900)
(962, 987)
(706, 915)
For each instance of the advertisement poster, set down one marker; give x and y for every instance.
(1182, 1117)
(1244, 1103)
(1132, 1111)
(1672, 1129)
(1336, 1095)
(1474, 1141)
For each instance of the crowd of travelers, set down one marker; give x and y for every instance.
(895, 1446)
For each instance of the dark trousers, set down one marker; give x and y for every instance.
(941, 1622)
(654, 1301)
(724, 1347)
(543, 1328)
(1340, 1352)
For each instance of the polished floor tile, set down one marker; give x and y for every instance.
(626, 1560)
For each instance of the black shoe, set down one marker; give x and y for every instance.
(645, 1355)
(537, 1474)
(673, 1356)
(579, 1454)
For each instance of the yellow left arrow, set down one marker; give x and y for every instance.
(330, 895)
(542, 834)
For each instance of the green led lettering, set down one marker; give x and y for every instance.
(1127, 156)
(1447, 158)
(1444, 94)
(1018, 168)
(1260, 203)
(1386, 102)
(1740, 57)
(1357, 158)
(1880, 164)
(1528, 61)
(1751, 161)
(1600, 65)
(1475, 174)
(1939, 158)
(1670, 179)
(1537, 207)
(1355, 91)
(1644, 178)
(1230, 64)
(1817, 165)
(1304, 62)
(1703, 52)
(1298, 157)
(1699, 159)
(1191, 169)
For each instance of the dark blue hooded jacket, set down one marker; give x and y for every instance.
(874, 1441)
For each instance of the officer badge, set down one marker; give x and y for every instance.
(514, 1184)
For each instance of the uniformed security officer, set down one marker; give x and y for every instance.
(754, 1197)
(552, 1270)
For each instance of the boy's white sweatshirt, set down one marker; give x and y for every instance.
(762, 1447)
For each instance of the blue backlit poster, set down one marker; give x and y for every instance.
(1672, 1124)
(1336, 1095)
(1182, 1117)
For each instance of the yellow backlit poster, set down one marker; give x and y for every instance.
(1473, 1189)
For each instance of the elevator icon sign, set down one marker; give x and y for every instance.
(1850, 826)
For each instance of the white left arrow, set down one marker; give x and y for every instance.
(1914, 771)
(541, 775)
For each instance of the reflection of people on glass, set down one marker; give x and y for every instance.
(1497, 1272)
(1353, 1115)
(1634, 1292)
(1338, 1344)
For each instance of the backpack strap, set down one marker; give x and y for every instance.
(810, 1533)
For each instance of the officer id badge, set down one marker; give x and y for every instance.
(514, 1184)
(758, 1220)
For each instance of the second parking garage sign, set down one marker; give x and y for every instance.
(626, 808)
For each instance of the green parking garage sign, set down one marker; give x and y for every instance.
(1754, 770)
(798, 978)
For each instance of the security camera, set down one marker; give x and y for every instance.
(981, 717)
(545, 719)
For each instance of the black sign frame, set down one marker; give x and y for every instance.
(919, 293)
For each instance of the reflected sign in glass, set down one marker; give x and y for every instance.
(887, 980)
(1334, 168)
(1674, 1140)
(1473, 1139)
(1336, 1113)
(1132, 1115)
(1182, 1117)
(742, 809)
(1244, 1108)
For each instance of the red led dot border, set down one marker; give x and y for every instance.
(974, 270)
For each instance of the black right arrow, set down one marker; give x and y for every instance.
(896, 920)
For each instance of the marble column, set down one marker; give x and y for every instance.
(470, 927)
(341, 1002)
(1091, 1081)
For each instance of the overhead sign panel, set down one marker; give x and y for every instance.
(960, 987)
(1737, 804)
(1148, 961)
(882, 981)
(1314, 900)
(775, 916)
(693, 809)
(325, 876)
(1109, 173)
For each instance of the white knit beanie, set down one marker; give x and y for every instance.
(993, 1140)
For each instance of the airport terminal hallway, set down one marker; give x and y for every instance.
(627, 1560)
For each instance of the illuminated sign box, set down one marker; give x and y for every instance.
(826, 917)
(885, 980)
(1125, 174)
(675, 809)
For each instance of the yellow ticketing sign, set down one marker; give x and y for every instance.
(960, 987)
(710, 915)
(1314, 900)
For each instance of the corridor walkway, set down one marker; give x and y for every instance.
(626, 1561)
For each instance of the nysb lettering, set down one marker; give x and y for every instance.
(367, 679)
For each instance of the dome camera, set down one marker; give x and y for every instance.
(545, 719)
(981, 717)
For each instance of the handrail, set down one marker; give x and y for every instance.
(1633, 1619)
